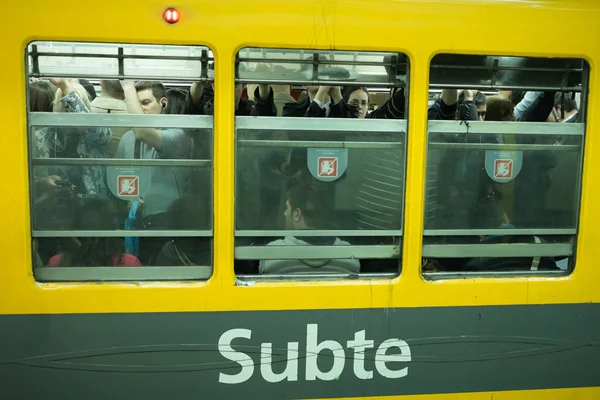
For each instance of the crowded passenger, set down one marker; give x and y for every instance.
(471, 103)
(321, 101)
(188, 213)
(357, 98)
(566, 107)
(41, 96)
(175, 101)
(307, 210)
(166, 184)
(200, 100)
(282, 94)
(94, 213)
(111, 100)
(70, 142)
(89, 88)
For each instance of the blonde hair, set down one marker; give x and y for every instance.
(79, 90)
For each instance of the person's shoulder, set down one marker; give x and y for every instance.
(131, 261)
(173, 134)
(340, 242)
(55, 260)
(128, 136)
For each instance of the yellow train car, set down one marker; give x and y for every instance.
(427, 254)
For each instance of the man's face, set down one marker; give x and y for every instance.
(481, 110)
(150, 105)
(360, 100)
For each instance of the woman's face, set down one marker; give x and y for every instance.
(359, 99)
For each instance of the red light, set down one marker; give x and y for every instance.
(171, 15)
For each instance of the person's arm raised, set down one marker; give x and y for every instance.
(149, 136)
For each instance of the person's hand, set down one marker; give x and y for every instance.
(335, 90)
(469, 94)
(57, 81)
(335, 93)
(48, 184)
(64, 84)
(140, 203)
(323, 94)
(127, 84)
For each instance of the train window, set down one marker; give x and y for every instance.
(121, 173)
(320, 163)
(504, 165)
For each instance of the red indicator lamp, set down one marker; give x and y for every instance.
(171, 15)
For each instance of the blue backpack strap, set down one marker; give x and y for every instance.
(132, 244)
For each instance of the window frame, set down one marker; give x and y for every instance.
(399, 126)
(110, 120)
(566, 248)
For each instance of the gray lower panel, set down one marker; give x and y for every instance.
(177, 356)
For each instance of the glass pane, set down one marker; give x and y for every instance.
(102, 60)
(94, 251)
(455, 70)
(359, 177)
(469, 188)
(297, 66)
(504, 164)
(118, 178)
(171, 187)
(319, 194)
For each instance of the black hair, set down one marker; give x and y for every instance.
(348, 90)
(190, 212)
(516, 96)
(480, 99)
(41, 96)
(499, 109)
(94, 213)
(89, 88)
(175, 101)
(568, 103)
(312, 201)
(158, 89)
(113, 89)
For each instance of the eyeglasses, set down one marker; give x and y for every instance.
(357, 103)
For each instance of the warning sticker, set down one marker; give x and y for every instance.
(328, 166)
(128, 185)
(503, 166)
(503, 169)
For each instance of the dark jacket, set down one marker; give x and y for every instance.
(539, 110)
(245, 107)
(391, 109)
(308, 108)
(441, 111)
(460, 185)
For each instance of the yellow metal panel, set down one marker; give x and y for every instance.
(419, 28)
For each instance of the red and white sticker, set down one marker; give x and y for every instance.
(503, 169)
(128, 185)
(328, 166)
